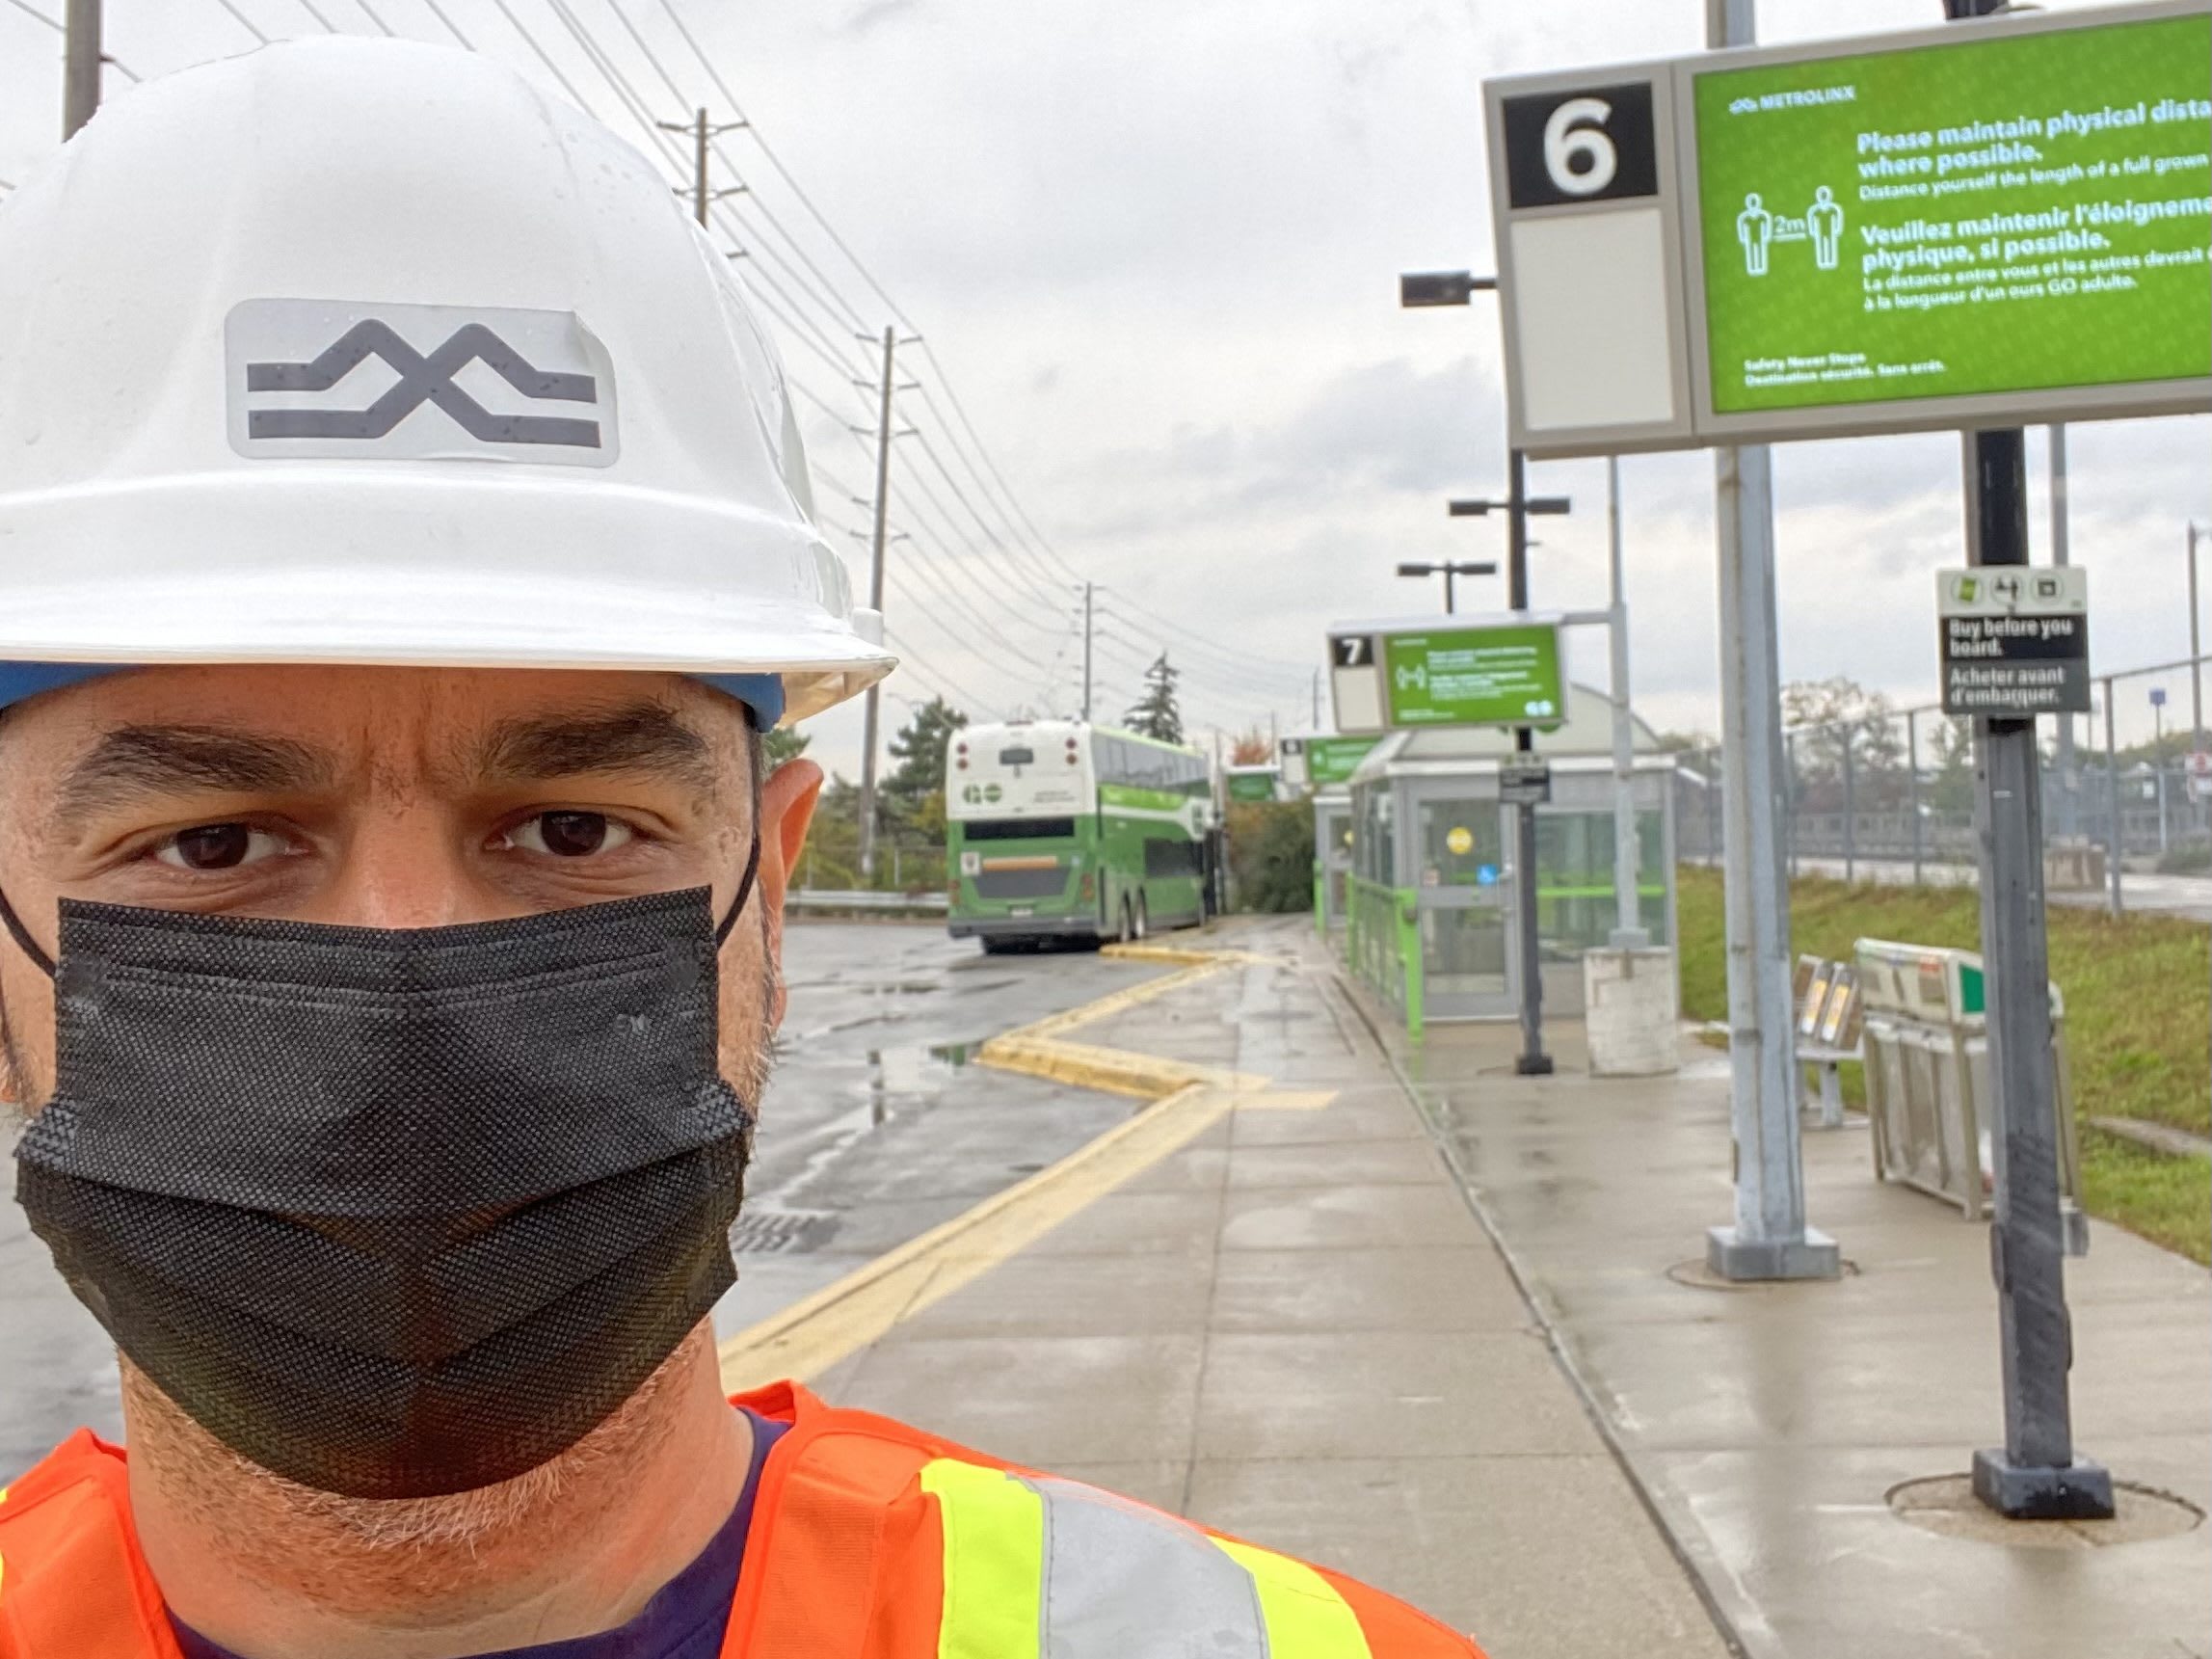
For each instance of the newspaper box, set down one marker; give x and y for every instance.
(1928, 1089)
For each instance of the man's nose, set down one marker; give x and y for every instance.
(406, 872)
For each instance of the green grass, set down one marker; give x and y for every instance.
(2138, 994)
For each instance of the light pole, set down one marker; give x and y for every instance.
(1422, 288)
(2196, 644)
(1518, 506)
(1449, 569)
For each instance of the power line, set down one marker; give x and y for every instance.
(243, 21)
(852, 316)
(784, 172)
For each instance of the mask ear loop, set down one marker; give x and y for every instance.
(721, 928)
(21, 934)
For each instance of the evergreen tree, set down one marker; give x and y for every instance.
(918, 748)
(781, 743)
(1155, 714)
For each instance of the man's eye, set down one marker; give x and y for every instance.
(570, 835)
(218, 846)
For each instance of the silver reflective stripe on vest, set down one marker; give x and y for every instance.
(1127, 1582)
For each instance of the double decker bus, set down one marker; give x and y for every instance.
(1059, 829)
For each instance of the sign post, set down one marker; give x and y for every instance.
(2034, 1476)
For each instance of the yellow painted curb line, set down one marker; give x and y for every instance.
(839, 1320)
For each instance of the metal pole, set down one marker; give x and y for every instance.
(1768, 1239)
(1628, 932)
(81, 64)
(2196, 653)
(2115, 842)
(1450, 596)
(2069, 775)
(1532, 1061)
(1849, 809)
(1789, 802)
(1912, 784)
(2035, 1474)
(1087, 650)
(875, 600)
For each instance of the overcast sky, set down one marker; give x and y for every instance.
(1153, 247)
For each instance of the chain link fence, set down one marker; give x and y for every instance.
(1890, 795)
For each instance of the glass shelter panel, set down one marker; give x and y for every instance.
(1460, 848)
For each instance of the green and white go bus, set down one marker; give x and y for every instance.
(1059, 829)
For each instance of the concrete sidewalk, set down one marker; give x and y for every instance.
(1291, 1325)
(1773, 1427)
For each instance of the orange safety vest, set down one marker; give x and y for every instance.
(870, 1540)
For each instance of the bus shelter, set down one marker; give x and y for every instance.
(1430, 923)
(1332, 857)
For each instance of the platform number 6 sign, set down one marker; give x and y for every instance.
(1585, 143)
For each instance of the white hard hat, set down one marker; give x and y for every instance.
(368, 352)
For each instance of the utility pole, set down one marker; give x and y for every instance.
(1768, 1238)
(875, 602)
(2035, 1474)
(702, 133)
(1317, 700)
(81, 64)
(1086, 652)
(1628, 932)
(1532, 1061)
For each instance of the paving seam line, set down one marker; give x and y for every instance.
(839, 1320)
(1554, 1339)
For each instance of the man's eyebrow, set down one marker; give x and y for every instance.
(136, 763)
(645, 739)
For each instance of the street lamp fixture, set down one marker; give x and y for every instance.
(1449, 569)
(1417, 289)
(1551, 505)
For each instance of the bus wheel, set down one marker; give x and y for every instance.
(1143, 917)
(1128, 929)
(1001, 946)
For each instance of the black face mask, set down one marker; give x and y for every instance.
(391, 1212)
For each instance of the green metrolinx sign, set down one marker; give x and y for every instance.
(2006, 215)
(1505, 675)
(1332, 760)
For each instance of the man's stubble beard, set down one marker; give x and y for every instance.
(393, 1553)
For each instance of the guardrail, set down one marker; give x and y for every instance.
(826, 898)
(1382, 945)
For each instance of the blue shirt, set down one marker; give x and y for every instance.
(684, 1620)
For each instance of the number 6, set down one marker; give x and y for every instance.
(1566, 136)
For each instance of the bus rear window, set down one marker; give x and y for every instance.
(1017, 829)
(1016, 757)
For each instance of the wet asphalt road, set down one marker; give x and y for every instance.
(876, 1128)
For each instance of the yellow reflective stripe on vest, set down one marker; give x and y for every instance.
(1052, 1569)
(994, 1562)
(1306, 1617)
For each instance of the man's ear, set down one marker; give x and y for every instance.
(787, 809)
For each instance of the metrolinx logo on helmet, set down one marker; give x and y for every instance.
(292, 363)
